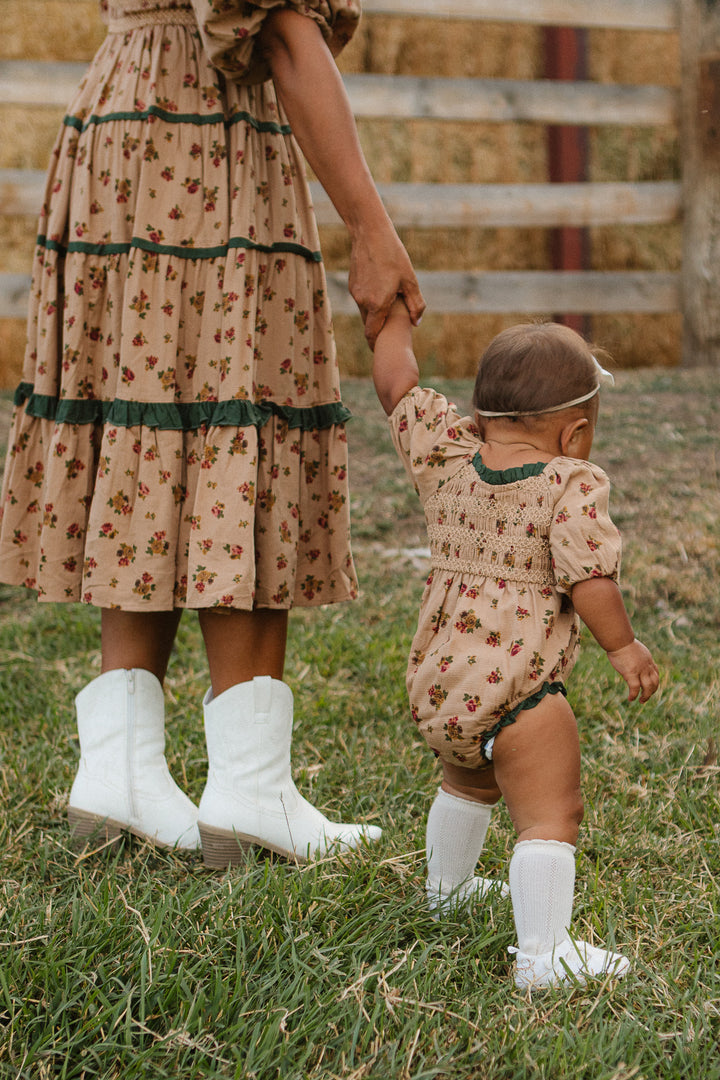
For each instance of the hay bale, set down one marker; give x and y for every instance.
(12, 350)
(50, 29)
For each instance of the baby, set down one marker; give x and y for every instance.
(521, 545)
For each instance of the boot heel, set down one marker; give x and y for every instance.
(86, 827)
(222, 848)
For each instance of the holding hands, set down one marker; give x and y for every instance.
(380, 271)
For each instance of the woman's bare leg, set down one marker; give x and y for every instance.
(123, 781)
(243, 644)
(138, 639)
(250, 796)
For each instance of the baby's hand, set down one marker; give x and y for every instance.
(637, 668)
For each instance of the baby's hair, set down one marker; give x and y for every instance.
(533, 367)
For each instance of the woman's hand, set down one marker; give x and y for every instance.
(380, 271)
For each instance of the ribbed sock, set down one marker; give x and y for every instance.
(542, 882)
(455, 836)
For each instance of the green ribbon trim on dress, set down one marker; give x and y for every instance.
(527, 703)
(177, 416)
(267, 126)
(138, 243)
(498, 477)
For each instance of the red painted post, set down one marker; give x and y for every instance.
(566, 58)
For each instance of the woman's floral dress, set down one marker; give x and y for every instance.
(497, 630)
(178, 437)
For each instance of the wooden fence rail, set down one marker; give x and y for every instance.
(487, 101)
(509, 291)
(615, 14)
(454, 205)
(406, 97)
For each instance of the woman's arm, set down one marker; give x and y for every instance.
(313, 96)
(395, 369)
(599, 604)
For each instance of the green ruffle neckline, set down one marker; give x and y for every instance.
(498, 477)
(177, 416)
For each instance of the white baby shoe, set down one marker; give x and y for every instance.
(570, 962)
(469, 892)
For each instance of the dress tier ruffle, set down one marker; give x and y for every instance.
(178, 437)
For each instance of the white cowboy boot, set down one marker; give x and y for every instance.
(123, 781)
(250, 797)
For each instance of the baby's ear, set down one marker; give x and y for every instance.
(570, 434)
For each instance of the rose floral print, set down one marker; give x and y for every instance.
(512, 543)
(178, 437)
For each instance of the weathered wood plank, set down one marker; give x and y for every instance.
(534, 292)
(14, 289)
(21, 191)
(455, 205)
(521, 205)
(449, 292)
(407, 97)
(616, 14)
(700, 48)
(39, 83)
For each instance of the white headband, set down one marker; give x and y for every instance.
(604, 376)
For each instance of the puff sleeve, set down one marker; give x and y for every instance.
(584, 542)
(431, 437)
(229, 30)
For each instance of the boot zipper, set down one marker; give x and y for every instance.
(130, 745)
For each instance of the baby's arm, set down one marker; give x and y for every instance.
(395, 369)
(599, 604)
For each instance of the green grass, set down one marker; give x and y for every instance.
(132, 963)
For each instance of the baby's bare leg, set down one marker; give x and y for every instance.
(477, 785)
(537, 768)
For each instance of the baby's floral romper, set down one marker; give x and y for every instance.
(497, 630)
(178, 437)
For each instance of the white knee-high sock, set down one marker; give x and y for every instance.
(542, 882)
(455, 836)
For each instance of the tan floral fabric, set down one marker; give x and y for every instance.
(496, 629)
(178, 437)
